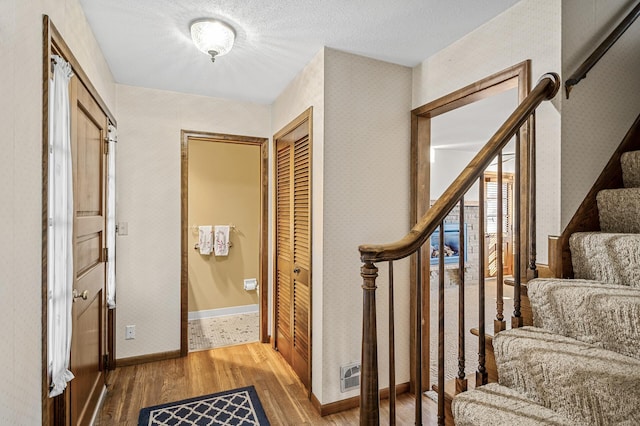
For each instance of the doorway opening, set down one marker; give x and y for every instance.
(441, 149)
(224, 292)
(92, 348)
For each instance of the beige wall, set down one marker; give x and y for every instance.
(366, 200)
(224, 188)
(21, 188)
(528, 30)
(603, 106)
(360, 166)
(148, 191)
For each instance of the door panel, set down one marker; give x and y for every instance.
(301, 259)
(293, 246)
(89, 252)
(89, 164)
(89, 308)
(86, 361)
(283, 285)
(491, 248)
(301, 330)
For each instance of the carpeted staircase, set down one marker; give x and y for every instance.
(580, 362)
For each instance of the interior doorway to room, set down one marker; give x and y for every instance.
(456, 137)
(446, 134)
(224, 210)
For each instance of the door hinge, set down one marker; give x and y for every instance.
(105, 254)
(106, 146)
(105, 362)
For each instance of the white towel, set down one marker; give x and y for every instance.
(205, 239)
(221, 244)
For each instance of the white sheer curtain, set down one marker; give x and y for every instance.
(111, 218)
(60, 244)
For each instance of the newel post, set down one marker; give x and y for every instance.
(369, 392)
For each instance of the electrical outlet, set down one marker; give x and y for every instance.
(130, 332)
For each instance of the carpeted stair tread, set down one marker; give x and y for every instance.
(498, 405)
(602, 314)
(586, 384)
(631, 169)
(580, 364)
(619, 210)
(612, 258)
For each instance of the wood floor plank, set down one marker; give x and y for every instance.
(283, 396)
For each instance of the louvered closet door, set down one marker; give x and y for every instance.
(284, 263)
(301, 260)
(293, 229)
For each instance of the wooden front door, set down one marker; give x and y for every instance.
(293, 249)
(89, 131)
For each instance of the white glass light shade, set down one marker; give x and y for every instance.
(212, 37)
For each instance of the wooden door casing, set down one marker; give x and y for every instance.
(292, 291)
(517, 76)
(89, 127)
(264, 289)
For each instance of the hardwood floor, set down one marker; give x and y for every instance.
(282, 395)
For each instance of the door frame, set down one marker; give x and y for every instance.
(517, 76)
(263, 305)
(55, 411)
(305, 116)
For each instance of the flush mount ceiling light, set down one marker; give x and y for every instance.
(212, 37)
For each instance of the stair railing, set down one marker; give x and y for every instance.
(413, 243)
(599, 52)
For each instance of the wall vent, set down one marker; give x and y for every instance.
(350, 377)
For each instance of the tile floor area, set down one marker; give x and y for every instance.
(238, 329)
(217, 332)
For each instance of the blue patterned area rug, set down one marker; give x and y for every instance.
(238, 407)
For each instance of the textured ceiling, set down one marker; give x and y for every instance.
(147, 42)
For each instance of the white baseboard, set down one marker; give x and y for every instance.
(103, 394)
(234, 310)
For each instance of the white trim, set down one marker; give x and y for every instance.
(111, 217)
(103, 394)
(221, 312)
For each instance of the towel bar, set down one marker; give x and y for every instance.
(195, 227)
(197, 246)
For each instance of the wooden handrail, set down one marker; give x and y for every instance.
(545, 89)
(582, 70)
